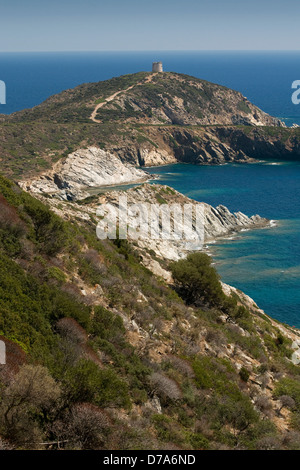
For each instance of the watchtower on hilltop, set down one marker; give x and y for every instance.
(157, 67)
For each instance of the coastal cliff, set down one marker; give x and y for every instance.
(212, 145)
(214, 222)
(155, 250)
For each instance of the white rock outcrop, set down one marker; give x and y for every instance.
(85, 168)
(155, 157)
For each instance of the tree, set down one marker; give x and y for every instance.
(165, 387)
(84, 426)
(286, 402)
(50, 230)
(264, 405)
(239, 414)
(196, 280)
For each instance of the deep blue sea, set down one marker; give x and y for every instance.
(263, 263)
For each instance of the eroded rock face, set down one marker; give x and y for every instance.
(209, 145)
(85, 168)
(214, 222)
(148, 157)
(156, 252)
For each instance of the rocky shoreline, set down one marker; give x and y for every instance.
(73, 178)
(156, 252)
(217, 222)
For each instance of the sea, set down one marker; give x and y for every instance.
(264, 263)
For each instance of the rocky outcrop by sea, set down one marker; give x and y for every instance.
(71, 178)
(214, 222)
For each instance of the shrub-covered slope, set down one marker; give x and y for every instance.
(171, 98)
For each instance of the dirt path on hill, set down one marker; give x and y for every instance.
(112, 97)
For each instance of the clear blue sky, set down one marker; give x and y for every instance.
(80, 25)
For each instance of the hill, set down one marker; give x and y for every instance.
(144, 119)
(103, 354)
(168, 98)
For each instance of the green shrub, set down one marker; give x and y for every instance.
(85, 382)
(49, 229)
(197, 280)
(242, 106)
(105, 324)
(56, 273)
(279, 346)
(199, 442)
(216, 374)
(288, 386)
(244, 374)
(166, 430)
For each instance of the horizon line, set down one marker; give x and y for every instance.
(147, 51)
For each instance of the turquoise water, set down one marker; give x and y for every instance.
(264, 263)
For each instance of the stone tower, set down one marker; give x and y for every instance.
(157, 67)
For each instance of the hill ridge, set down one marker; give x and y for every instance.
(173, 117)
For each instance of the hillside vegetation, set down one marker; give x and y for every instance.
(102, 354)
(165, 97)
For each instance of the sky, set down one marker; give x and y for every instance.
(120, 25)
